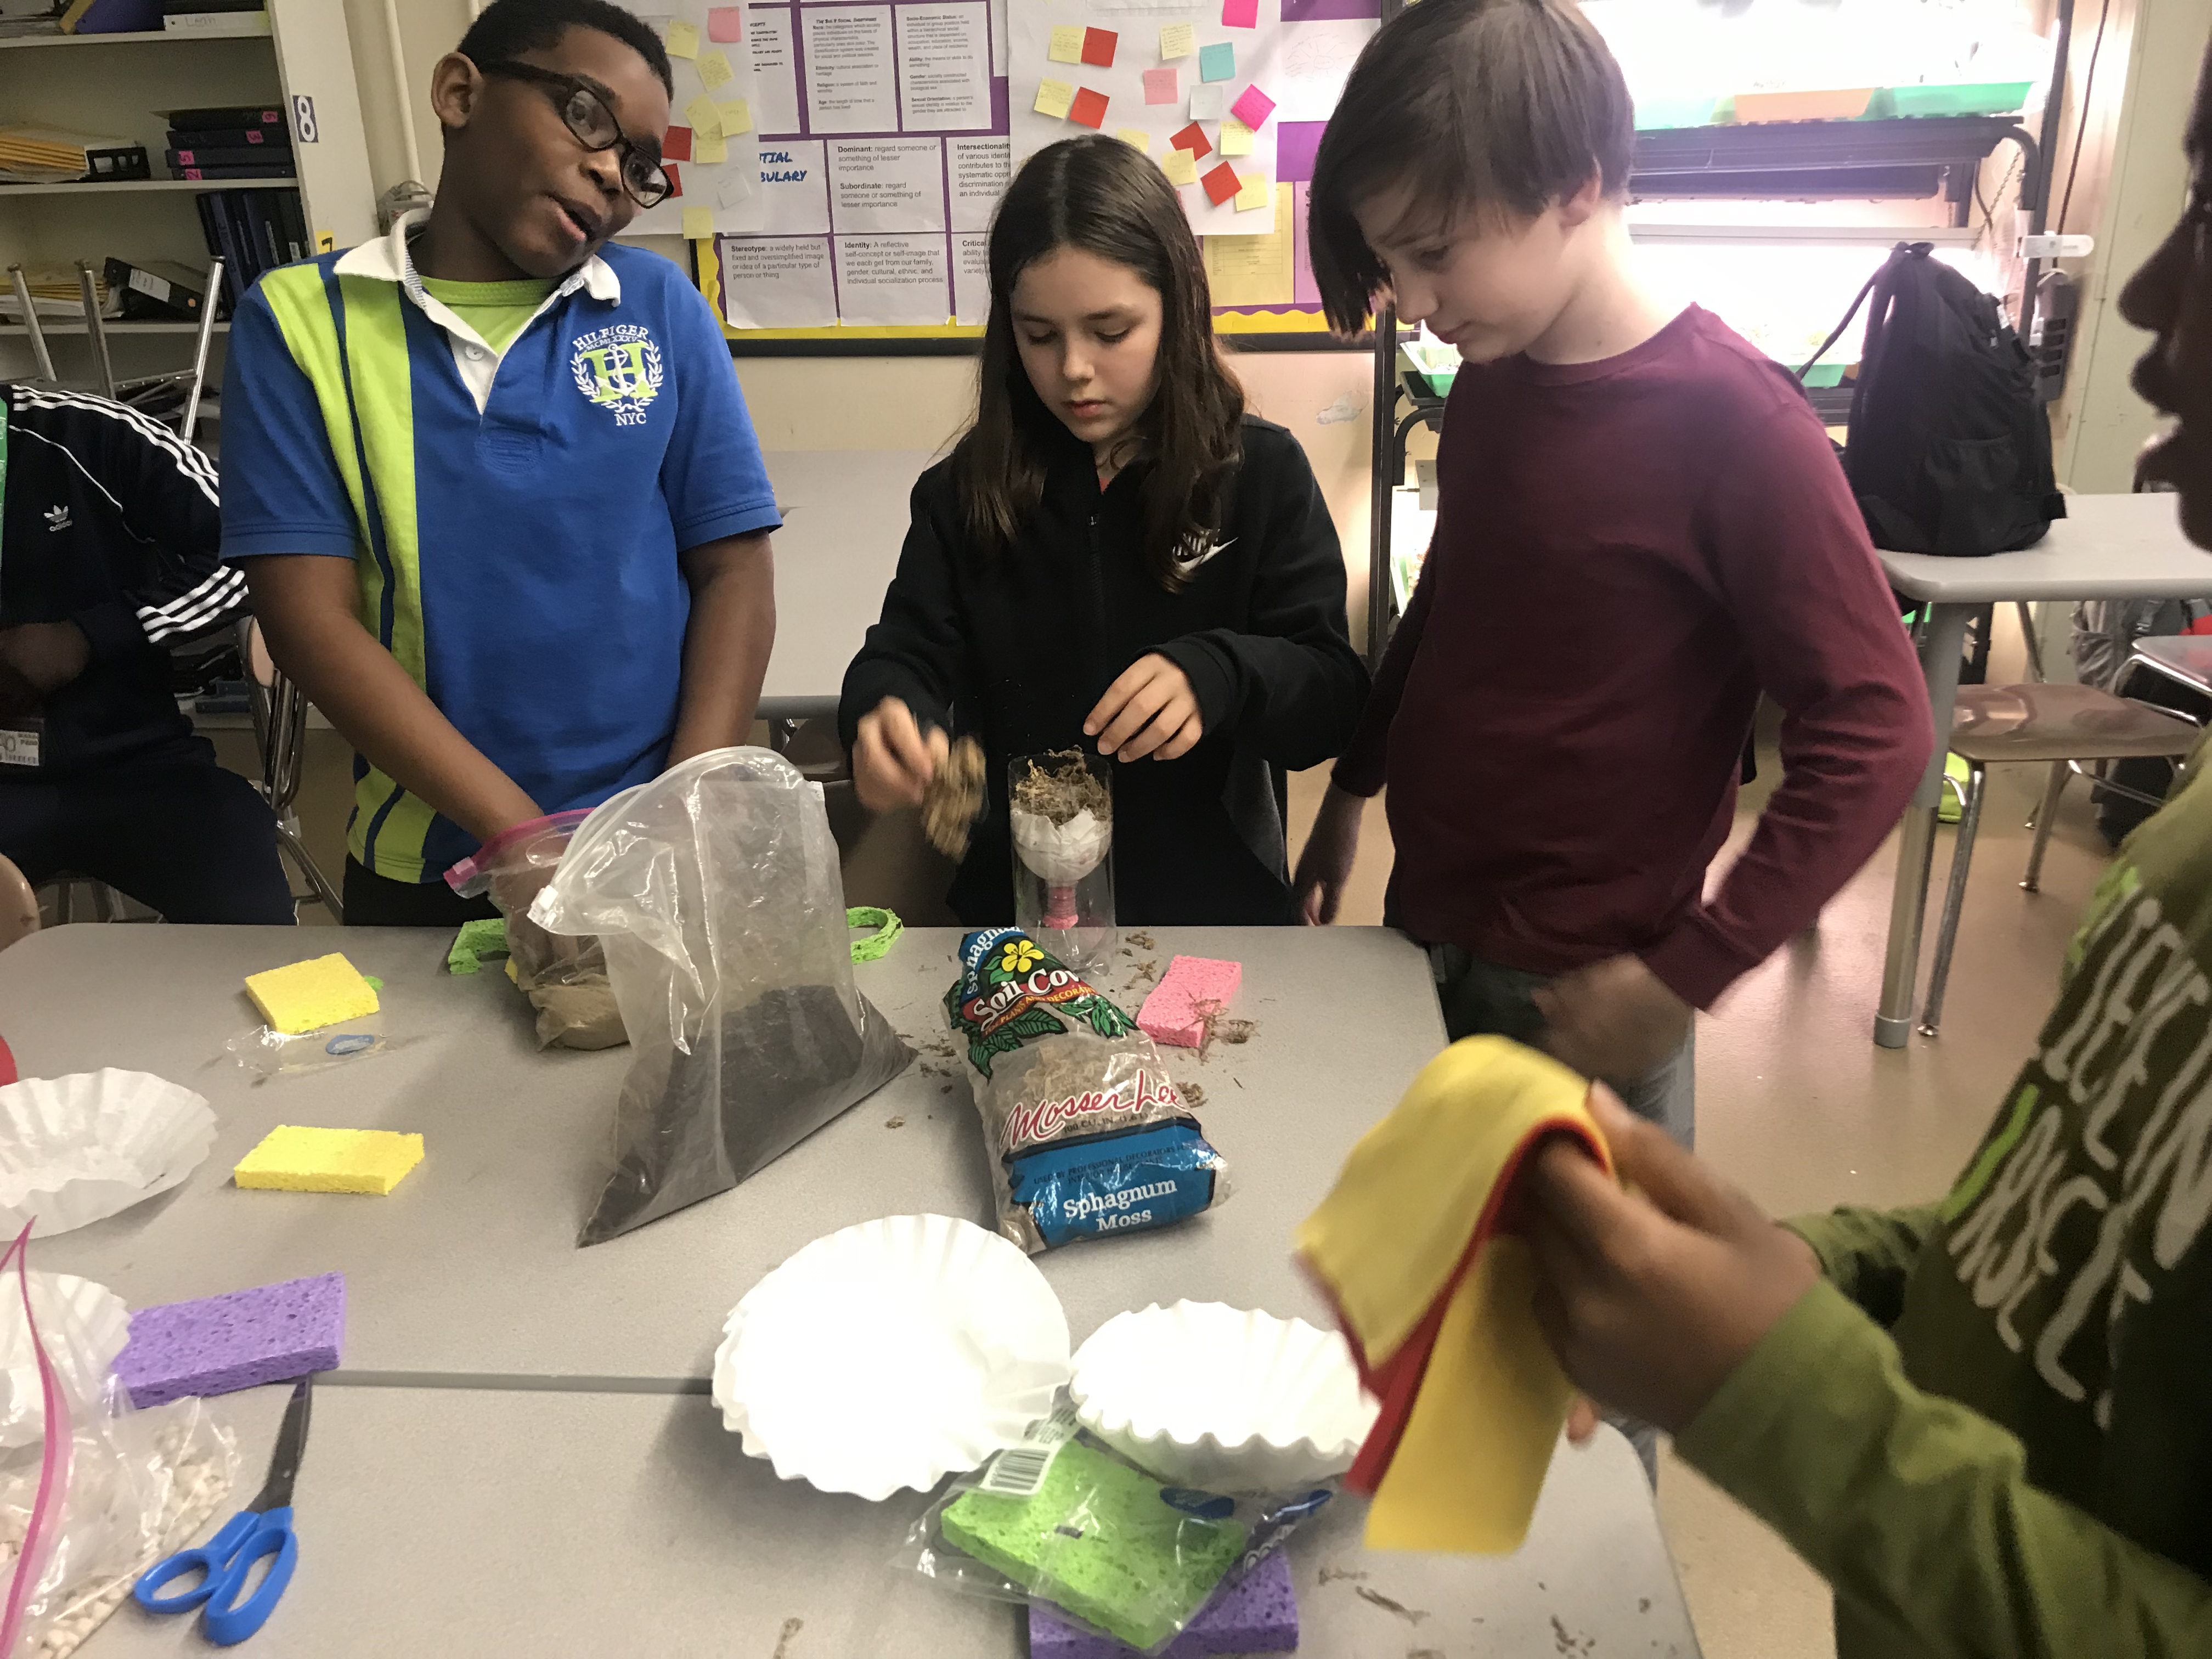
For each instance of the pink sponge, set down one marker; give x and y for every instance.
(217, 1344)
(1194, 987)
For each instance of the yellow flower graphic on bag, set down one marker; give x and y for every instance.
(1021, 956)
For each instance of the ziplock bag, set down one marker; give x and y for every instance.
(565, 978)
(1067, 1524)
(715, 892)
(92, 1491)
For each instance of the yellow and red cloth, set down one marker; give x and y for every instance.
(1419, 1247)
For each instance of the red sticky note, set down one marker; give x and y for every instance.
(1099, 48)
(1254, 107)
(1089, 107)
(1221, 184)
(1192, 138)
(725, 24)
(1240, 14)
(676, 144)
(675, 180)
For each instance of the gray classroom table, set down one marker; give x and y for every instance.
(514, 1457)
(845, 516)
(470, 1267)
(465, 1522)
(2107, 547)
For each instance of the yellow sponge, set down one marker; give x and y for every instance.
(309, 995)
(329, 1160)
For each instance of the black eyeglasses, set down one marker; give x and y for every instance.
(584, 111)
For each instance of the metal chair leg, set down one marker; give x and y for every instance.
(1954, 898)
(2045, 815)
(288, 839)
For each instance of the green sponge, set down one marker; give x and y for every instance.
(1099, 1541)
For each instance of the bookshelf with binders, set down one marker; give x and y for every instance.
(256, 154)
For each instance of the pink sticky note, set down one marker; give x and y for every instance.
(725, 24)
(1160, 86)
(1254, 108)
(1240, 14)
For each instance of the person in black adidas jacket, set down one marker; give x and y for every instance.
(108, 543)
(1115, 554)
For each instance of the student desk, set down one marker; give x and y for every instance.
(537, 1472)
(477, 1524)
(844, 515)
(2108, 547)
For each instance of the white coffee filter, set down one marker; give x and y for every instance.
(890, 1354)
(83, 1325)
(1223, 1399)
(1062, 853)
(76, 1149)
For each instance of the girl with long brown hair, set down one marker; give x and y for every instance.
(1115, 554)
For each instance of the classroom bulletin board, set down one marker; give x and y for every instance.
(886, 131)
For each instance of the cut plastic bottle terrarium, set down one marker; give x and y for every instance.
(1062, 809)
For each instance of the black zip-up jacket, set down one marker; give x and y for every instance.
(1016, 648)
(112, 522)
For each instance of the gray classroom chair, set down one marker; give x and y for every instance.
(280, 731)
(2063, 726)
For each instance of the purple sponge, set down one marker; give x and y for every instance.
(1256, 1613)
(221, 1344)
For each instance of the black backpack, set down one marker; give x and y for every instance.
(1949, 451)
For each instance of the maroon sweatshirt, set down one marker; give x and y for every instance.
(1627, 554)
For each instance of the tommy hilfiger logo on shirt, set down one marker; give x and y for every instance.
(57, 518)
(619, 369)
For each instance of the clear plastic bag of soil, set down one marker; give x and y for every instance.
(715, 893)
(565, 978)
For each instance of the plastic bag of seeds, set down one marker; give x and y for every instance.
(715, 892)
(1088, 1135)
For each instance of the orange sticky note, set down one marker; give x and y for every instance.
(1089, 108)
(1192, 138)
(1221, 184)
(676, 144)
(1099, 48)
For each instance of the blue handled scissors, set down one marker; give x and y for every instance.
(225, 1562)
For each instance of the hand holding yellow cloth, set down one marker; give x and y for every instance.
(1419, 1246)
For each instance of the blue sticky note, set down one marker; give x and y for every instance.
(1216, 62)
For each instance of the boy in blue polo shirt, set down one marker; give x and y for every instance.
(491, 478)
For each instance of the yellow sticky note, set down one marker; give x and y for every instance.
(737, 116)
(1236, 137)
(1054, 98)
(698, 224)
(1134, 135)
(684, 40)
(714, 69)
(709, 148)
(1252, 191)
(1180, 166)
(705, 117)
(1066, 45)
(1178, 39)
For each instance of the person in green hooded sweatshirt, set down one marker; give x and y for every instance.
(1985, 1421)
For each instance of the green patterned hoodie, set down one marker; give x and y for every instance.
(1991, 1430)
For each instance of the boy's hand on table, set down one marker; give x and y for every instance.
(1325, 866)
(893, 760)
(1150, 710)
(1614, 1019)
(1651, 1294)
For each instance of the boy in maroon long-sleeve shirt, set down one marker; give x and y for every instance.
(1641, 527)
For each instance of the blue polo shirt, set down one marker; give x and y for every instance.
(514, 516)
